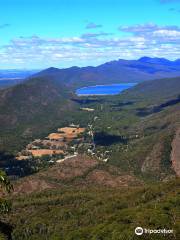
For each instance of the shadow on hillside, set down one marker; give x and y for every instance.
(122, 104)
(87, 100)
(119, 106)
(143, 112)
(6, 159)
(104, 139)
(15, 168)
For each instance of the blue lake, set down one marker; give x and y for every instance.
(104, 89)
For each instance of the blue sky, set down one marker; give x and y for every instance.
(62, 33)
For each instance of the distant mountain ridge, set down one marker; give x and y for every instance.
(10, 77)
(162, 61)
(16, 73)
(118, 71)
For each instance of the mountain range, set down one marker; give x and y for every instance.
(120, 71)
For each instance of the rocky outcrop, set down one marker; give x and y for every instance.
(32, 184)
(153, 160)
(105, 178)
(78, 171)
(175, 153)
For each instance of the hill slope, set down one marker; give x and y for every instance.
(25, 107)
(161, 89)
(97, 213)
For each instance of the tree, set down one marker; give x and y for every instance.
(5, 187)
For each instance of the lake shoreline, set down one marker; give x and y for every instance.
(103, 90)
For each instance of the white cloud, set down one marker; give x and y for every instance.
(147, 39)
(167, 33)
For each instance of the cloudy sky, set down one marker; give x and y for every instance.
(42, 33)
